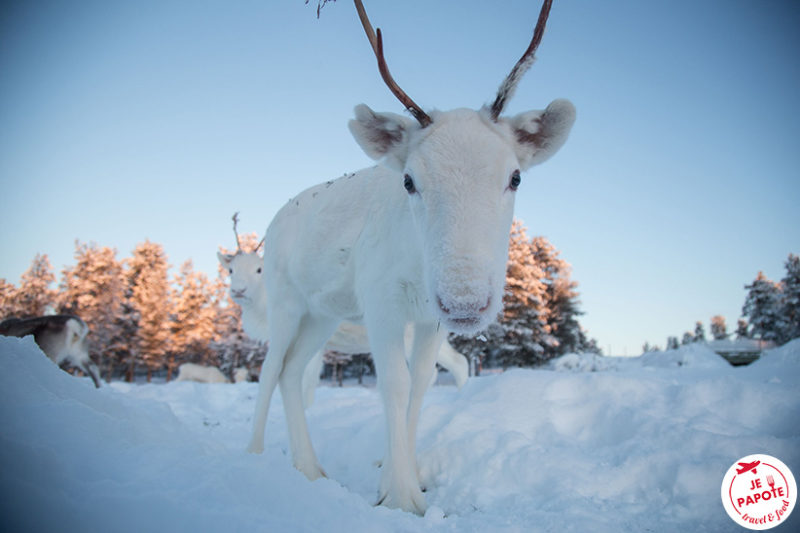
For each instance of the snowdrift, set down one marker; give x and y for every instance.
(631, 446)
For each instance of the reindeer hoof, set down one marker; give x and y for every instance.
(412, 502)
(313, 472)
(255, 448)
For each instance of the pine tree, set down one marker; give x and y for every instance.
(790, 300)
(699, 332)
(540, 310)
(34, 296)
(742, 329)
(94, 290)
(588, 345)
(147, 279)
(524, 321)
(762, 309)
(122, 349)
(719, 330)
(8, 299)
(672, 343)
(560, 300)
(688, 338)
(192, 321)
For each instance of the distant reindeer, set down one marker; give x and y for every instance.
(247, 289)
(421, 240)
(200, 374)
(62, 338)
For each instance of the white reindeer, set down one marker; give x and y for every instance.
(422, 239)
(247, 289)
(200, 374)
(62, 338)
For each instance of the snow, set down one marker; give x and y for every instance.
(626, 445)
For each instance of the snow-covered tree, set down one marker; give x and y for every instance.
(742, 328)
(34, 297)
(147, 278)
(560, 299)
(540, 310)
(790, 299)
(192, 320)
(699, 332)
(94, 289)
(588, 345)
(762, 308)
(525, 331)
(8, 299)
(719, 330)
(673, 343)
(688, 338)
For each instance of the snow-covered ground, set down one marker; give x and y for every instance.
(590, 444)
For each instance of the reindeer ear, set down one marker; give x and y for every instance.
(225, 259)
(540, 134)
(382, 135)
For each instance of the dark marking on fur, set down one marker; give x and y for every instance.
(538, 139)
(383, 136)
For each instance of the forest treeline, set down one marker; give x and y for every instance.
(770, 313)
(144, 320)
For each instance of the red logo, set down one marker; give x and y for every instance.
(759, 492)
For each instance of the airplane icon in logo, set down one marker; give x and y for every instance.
(747, 467)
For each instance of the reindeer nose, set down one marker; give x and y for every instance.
(446, 310)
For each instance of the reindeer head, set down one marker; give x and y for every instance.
(461, 170)
(244, 269)
(245, 272)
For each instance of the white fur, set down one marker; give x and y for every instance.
(71, 346)
(241, 375)
(362, 249)
(201, 374)
(247, 289)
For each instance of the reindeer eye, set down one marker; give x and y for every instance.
(408, 183)
(516, 179)
(230, 271)
(258, 271)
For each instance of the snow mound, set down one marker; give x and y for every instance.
(784, 357)
(642, 448)
(583, 362)
(693, 356)
(77, 459)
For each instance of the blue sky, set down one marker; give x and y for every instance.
(123, 121)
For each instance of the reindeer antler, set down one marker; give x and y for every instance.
(235, 219)
(376, 41)
(509, 85)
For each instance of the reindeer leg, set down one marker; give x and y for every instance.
(311, 378)
(283, 331)
(91, 370)
(428, 338)
(311, 337)
(399, 487)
